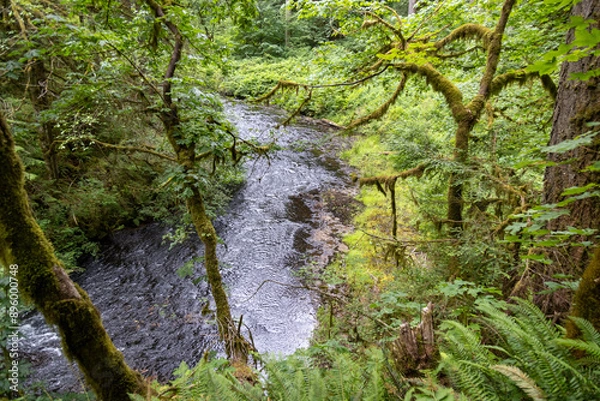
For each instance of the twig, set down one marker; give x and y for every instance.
(121, 147)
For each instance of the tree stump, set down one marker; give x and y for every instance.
(415, 349)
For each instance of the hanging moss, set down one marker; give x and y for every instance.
(521, 77)
(282, 84)
(388, 183)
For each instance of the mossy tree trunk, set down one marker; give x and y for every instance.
(577, 103)
(468, 117)
(43, 281)
(586, 302)
(236, 347)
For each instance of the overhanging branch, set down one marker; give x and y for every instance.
(383, 108)
(521, 77)
(466, 32)
(121, 147)
(441, 84)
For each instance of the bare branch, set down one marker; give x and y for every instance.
(426, 20)
(121, 147)
(458, 54)
(379, 20)
(137, 68)
(177, 48)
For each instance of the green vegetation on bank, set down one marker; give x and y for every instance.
(469, 246)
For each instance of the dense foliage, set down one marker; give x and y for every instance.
(82, 87)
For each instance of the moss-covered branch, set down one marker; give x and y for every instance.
(441, 84)
(299, 108)
(521, 77)
(387, 180)
(43, 281)
(467, 32)
(237, 348)
(283, 84)
(383, 108)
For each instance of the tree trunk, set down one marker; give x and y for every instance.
(236, 346)
(586, 302)
(40, 99)
(577, 103)
(411, 6)
(467, 120)
(43, 281)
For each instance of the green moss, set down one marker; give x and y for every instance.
(467, 32)
(586, 301)
(43, 281)
(441, 84)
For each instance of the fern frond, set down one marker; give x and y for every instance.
(524, 382)
(578, 383)
(587, 329)
(317, 389)
(464, 343)
(591, 349)
(536, 322)
(472, 379)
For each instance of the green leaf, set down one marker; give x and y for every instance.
(571, 144)
(578, 190)
(537, 258)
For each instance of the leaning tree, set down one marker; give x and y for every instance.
(43, 281)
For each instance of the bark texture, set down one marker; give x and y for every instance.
(577, 103)
(43, 281)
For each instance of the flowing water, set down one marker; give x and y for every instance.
(158, 319)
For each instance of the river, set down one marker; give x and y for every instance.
(275, 224)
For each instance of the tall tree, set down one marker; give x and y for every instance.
(43, 281)
(577, 105)
(185, 147)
